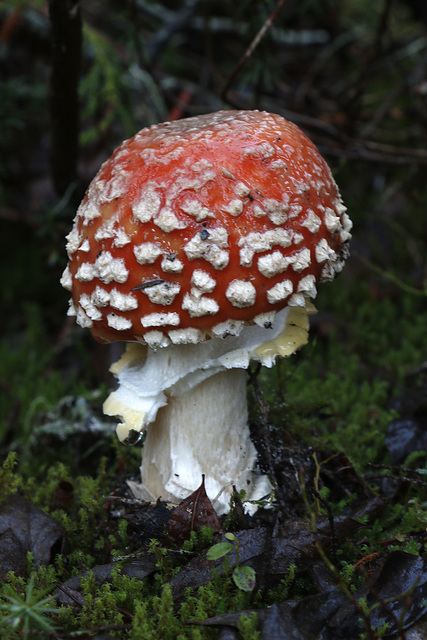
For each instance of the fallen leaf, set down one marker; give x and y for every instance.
(331, 616)
(405, 435)
(278, 624)
(298, 544)
(275, 623)
(312, 613)
(408, 432)
(24, 528)
(228, 633)
(191, 514)
(68, 593)
(199, 570)
(223, 620)
(401, 589)
(146, 521)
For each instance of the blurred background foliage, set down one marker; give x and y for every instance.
(352, 74)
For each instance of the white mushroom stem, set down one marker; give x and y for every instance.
(203, 431)
(195, 396)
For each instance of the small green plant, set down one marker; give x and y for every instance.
(243, 577)
(27, 612)
(248, 627)
(199, 540)
(10, 481)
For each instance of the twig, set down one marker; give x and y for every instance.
(264, 411)
(411, 475)
(409, 81)
(327, 52)
(384, 603)
(327, 506)
(249, 51)
(389, 276)
(383, 23)
(331, 566)
(69, 594)
(359, 85)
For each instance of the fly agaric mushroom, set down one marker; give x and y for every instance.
(201, 241)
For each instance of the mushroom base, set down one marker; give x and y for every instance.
(203, 431)
(191, 398)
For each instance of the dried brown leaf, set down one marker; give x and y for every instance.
(24, 529)
(190, 515)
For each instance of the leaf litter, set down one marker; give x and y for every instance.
(26, 529)
(394, 586)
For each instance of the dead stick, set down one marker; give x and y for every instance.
(249, 51)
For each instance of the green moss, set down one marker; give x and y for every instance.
(26, 609)
(248, 627)
(337, 391)
(199, 539)
(10, 481)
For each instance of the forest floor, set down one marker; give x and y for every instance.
(341, 426)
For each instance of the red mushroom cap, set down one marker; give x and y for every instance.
(191, 224)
